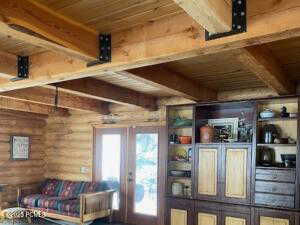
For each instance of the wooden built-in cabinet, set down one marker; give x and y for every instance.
(236, 173)
(230, 183)
(207, 172)
(179, 211)
(223, 172)
(273, 217)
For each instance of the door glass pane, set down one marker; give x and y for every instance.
(111, 161)
(146, 174)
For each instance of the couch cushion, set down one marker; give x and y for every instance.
(51, 187)
(69, 206)
(69, 189)
(49, 203)
(31, 200)
(90, 187)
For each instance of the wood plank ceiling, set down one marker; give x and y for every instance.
(114, 15)
(209, 71)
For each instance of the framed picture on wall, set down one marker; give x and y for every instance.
(226, 129)
(20, 147)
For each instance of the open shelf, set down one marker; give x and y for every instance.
(274, 168)
(181, 145)
(277, 145)
(181, 127)
(277, 119)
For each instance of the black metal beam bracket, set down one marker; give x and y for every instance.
(23, 68)
(239, 21)
(104, 50)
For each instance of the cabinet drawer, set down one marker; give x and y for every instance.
(275, 188)
(275, 200)
(276, 175)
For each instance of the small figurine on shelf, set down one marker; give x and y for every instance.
(284, 112)
(174, 139)
(190, 154)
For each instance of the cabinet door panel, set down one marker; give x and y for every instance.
(179, 217)
(236, 173)
(266, 220)
(281, 221)
(234, 221)
(208, 171)
(207, 219)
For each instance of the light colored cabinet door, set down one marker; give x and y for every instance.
(179, 217)
(234, 221)
(281, 221)
(207, 171)
(273, 221)
(236, 173)
(207, 219)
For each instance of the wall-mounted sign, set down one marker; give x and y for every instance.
(20, 146)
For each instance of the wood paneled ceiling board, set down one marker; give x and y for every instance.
(288, 53)
(123, 81)
(220, 72)
(113, 15)
(16, 47)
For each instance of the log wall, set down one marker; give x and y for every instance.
(69, 141)
(17, 173)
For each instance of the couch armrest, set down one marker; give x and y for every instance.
(26, 190)
(96, 202)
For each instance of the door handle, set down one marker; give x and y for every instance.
(130, 179)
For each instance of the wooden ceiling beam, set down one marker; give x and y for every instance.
(102, 90)
(165, 40)
(60, 32)
(215, 16)
(171, 82)
(46, 96)
(267, 68)
(18, 105)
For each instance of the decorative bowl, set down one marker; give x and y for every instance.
(185, 139)
(267, 113)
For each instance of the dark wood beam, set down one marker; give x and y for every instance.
(24, 106)
(173, 83)
(46, 96)
(101, 90)
(267, 68)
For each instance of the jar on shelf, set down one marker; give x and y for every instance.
(206, 134)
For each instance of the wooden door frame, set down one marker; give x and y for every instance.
(97, 165)
(162, 157)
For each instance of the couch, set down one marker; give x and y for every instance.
(76, 202)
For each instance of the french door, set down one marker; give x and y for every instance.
(134, 158)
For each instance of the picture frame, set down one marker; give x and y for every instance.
(226, 129)
(20, 147)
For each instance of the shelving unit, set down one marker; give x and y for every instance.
(266, 176)
(185, 151)
(229, 173)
